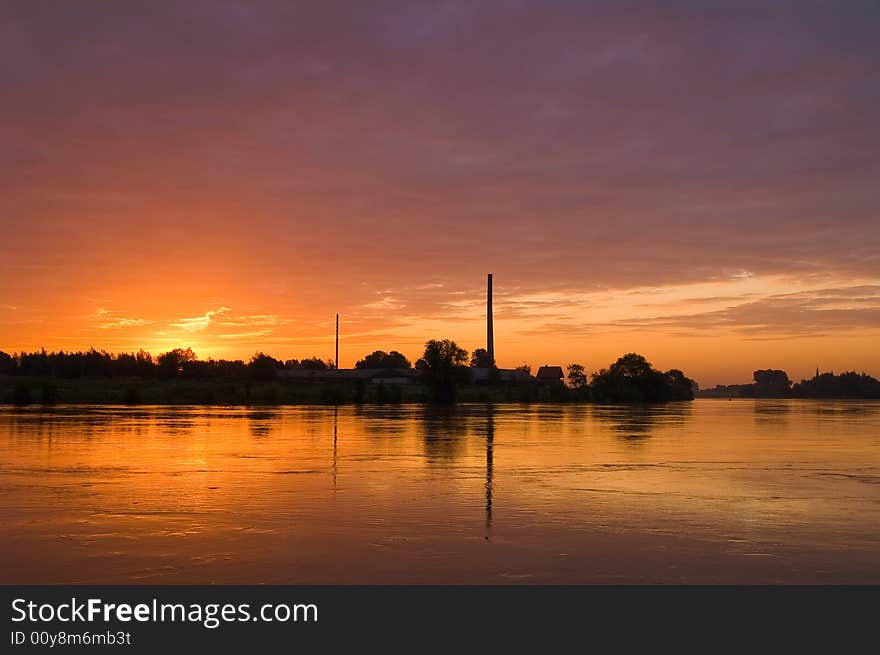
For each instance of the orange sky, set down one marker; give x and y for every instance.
(717, 332)
(696, 186)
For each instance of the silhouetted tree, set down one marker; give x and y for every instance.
(443, 367)
(220, 369)
(125, 365)
(34, 363)
(771, 383)
(314, 364)
(263, 367)
(172, 363)
(632, 379)
(94, 363)
(681, 386)
(480, 359)
(845, 385)
(577, 377)
(144, 364)
(381, 359)
(7, 363)
(632, 366)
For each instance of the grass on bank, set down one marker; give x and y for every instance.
(25, 390)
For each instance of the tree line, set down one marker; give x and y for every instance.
(443, 369)
(775, 383)
(177, 363)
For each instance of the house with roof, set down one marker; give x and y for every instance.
(550, 375)
(483, 375)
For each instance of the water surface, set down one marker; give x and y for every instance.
(709, 491)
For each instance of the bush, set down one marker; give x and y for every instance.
(632, 379)
(49, 393)
(272, 395)
(21, 395)
(331, 395)
(524, 393)
(131, 396)
(444, 368)
(360, 391)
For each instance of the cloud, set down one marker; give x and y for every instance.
(124, 322)
(151, 155)
(255, 334)
(565, 143)
(199, 323)
(697, 300)
(246, 320)
(108, 319)
(812, 313)
(220, 323)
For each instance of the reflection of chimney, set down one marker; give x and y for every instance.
(490, 337)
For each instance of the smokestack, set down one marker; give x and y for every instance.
(490, 336)
(336, 361)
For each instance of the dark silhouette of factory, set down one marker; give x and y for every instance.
(443, 374)
(490, 374)
(479, 375)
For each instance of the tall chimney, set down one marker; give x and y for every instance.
(336, 362)
(490, 336)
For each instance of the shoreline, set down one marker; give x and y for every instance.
(24, 391)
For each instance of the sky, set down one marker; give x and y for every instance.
(693, 181)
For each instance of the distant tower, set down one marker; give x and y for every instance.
(336, 361)
(817, 370)
(490, 336)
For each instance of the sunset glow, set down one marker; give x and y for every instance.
(634, 182)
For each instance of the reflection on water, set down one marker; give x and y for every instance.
(263, 422)
(769, 412)
(636, 422)
(710, 491)
(444, 430)
(490, 437)
(335, 443)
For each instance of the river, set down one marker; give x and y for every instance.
(712, 491)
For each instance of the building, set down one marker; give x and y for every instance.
(481, 375)
(369, 375)
(399, 376)
(550, 375)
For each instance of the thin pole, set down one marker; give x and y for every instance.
(336, 361)
(490, 336)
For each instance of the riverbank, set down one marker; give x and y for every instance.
(39, 390)
(25, 390)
